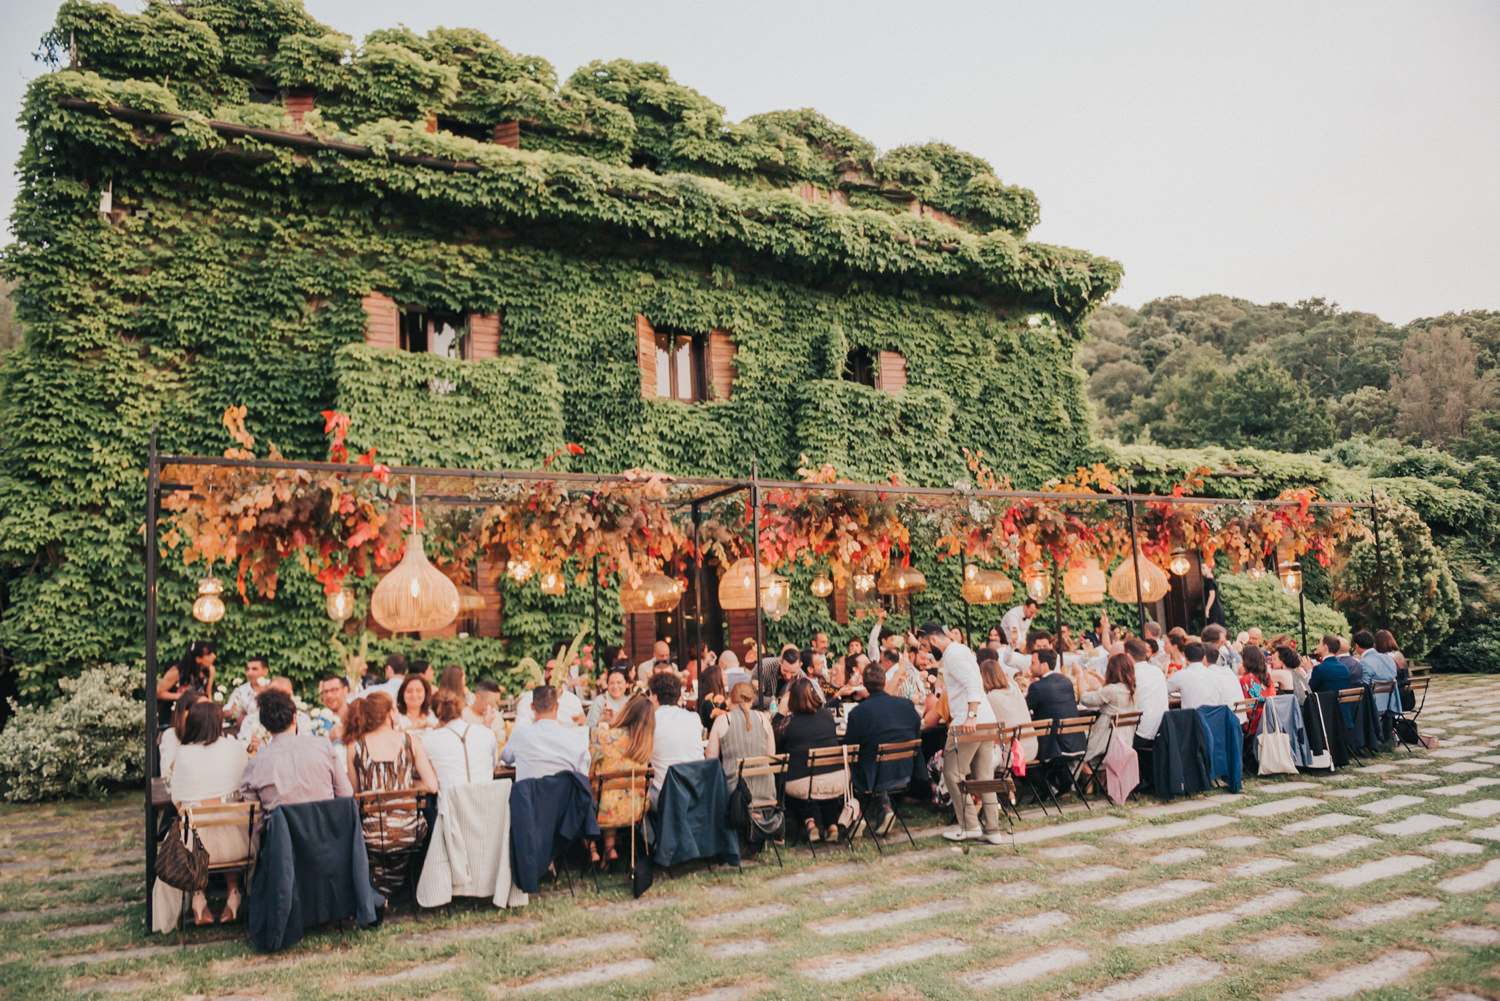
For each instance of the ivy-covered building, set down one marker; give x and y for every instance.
(226, 203)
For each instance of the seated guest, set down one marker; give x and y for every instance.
(812, 801)
(902, 678)
(1285, 668)
(459, 751)
(1256, 684)
(546, 747)
(679, 733)
(414, 704)
(1115, 697)
(713, 697)
(569, 710)
(1226, 677)
(333, 692)
(382, 758)
(292, 767)
(208, 770)
(1385, 642)
(1378, 667)
(485, 709)
(774, 679)
(1329, 673)
(242, 700)
(254, 733)
(1196, 684)
(731, 671)
(1051, 697)
(171, 737)
(1349, 660)
(845, 684)
(609, 703)
(1216, 639)
(1150, 692)
(743, 732)
(1007, 701)
(622, 743)
(880, 719)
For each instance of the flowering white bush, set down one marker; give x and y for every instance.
(83, 743)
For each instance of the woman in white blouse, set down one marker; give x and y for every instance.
(208, 770)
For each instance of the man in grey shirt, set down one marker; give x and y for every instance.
(294, 767)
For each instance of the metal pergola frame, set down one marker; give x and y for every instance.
(704, 489)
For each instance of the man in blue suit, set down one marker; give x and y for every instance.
(880, 719)
(1329, 674)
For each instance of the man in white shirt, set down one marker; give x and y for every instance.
(976, 760)
(1198, 685)
(546, 747)
(1016, 623)
(1216, 639)
(679, 733)
(1153, 636)
(1150, 690)
(460, 752)
(569, 710)
(1230, 691)
(242, 700)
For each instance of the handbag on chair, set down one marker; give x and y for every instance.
(852, 812)
(179, 865)
(1273, 747)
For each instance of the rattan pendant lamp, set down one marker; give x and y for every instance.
(415, 596)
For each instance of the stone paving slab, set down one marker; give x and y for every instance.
(1390, 804)
(1068, 829)
(1236, 842)
(1181, 829)
(1475, 935)
(1278, 948)
(841, 968)
(1369, 872)
(738, 916)
(445, 936)
(412, 974)
(1159, 893)
(109, 955)
(1081, 874)
(815, 875)
(1464, 767)
(1355, 792)
(739, 947)
(1163, 981)
(733, 992)
(1390, 968)
(1018, 890)
(1269, 787)
(1153, 936)
(1032, 967)
(1478, 809)
(1034, 924)
(1187, 806)
(1382, 913)
(1322, 822)
(1454, 848)
(1067, 851)
(1488, 833)
(1279, 806)
(877, 920)
(1482, 878)
(1176, 856)
(603, 973)
(1259, 867)
(1418, 823)
(843, 894)
(608, 942)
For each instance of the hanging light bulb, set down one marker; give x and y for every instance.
(821, 587)
(519, 571)
(209, 607)
(552, 583)
(776, 597)
(1180, 564)
(341, 604)
(1038, 584)
(970, 571)
(1258, 572)
(1291, 578)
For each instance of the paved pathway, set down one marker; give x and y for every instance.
(1383, 878)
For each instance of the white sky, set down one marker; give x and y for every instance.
(1348, 149)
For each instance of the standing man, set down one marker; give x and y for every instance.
(1017, 623)
(774, 677)
(970, 708)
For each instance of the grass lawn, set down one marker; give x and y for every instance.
(1377, 882)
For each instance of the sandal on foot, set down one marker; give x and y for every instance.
(812, 833)
(231, 908)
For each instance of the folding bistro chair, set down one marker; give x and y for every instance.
(825, 761)
(887, 755)
(1417, 689)
(634, 781)
(1071, 762)
(382, 804)
(211, 815)
(774, 766)
(1036, 730)
(1349, 703)
(1118, 722)
(1002, 785)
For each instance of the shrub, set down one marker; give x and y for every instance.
(84, 743)
(1263, 603)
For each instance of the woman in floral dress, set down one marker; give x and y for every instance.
(1256, 683)
(382, 759)
(620, 746)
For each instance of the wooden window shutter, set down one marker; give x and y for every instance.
(383, 322)
(720, 364)
(484, 335)
(892, 375)
(841, 604)
(508, 134)
(645, 355)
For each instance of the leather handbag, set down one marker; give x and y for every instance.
(179, 864)
(1273, 747)
(851, 813)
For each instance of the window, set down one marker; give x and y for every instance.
(680, 366)
(860, 367)
(442, 334)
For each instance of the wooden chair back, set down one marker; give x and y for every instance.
(901, 750)
(634, 780)
(984, 733)
(827, 760)
(763, 765)
(1351, 696)
(384, 802)
(1418, 687)
(210, 815)
(1035, 730)
(1243, 706)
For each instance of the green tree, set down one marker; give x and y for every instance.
(11, 333)
(1440, 390)
(1261, 406)
(1367, 411)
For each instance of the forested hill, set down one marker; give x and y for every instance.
(1222, 371)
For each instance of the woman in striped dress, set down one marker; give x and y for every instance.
(381, 759)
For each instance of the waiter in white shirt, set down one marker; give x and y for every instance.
(1017, 623)
(970, 708)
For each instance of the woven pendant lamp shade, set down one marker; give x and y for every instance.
(1154, 582)
(469, 600)
(1084, 581)
(414, 597)
(901, 580)
(656, 593)
(737, 586)
(987, 587)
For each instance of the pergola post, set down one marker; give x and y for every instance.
(598, 639)
(963, 570)
(1302, 616)
(760, 615)
(1385, 615)
(153, 498)
(1140, 608)
(697, 589)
